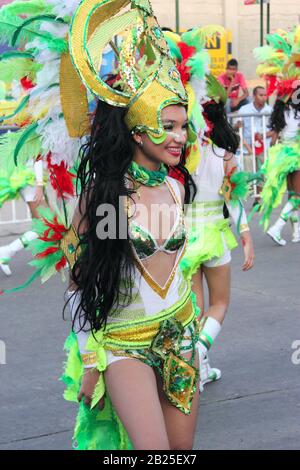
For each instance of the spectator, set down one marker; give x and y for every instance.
(236, 87)
(257, 107)
(253, 138)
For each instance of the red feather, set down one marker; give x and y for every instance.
(61, 264)
(27, 83)
(60, 178)
(47, 252)
(186, 52)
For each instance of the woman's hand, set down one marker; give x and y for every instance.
(89, 382)
(39, 195)
(248, 251)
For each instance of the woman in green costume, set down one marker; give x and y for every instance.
(133, 362)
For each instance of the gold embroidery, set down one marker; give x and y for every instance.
(69, 246)
(89, 359)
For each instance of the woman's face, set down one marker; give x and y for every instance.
(175, 122)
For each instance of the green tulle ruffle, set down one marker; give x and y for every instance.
(94, 429)
(283, 159)
(10, 187)
(205, 243)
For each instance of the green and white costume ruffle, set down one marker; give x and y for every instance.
(210, 236)
(283, 159)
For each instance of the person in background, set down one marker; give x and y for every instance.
(257, 108)
(235, 84)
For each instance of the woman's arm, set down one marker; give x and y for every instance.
(239, 216)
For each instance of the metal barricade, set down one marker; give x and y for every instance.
(251, 162)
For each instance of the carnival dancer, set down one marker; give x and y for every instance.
(217, 181)
(281, 68)
(133, 349)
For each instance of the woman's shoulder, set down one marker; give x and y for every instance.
(177, 186)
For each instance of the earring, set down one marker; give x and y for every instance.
(141, 143)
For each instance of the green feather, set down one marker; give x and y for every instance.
(26, 23)
(242, 180)
(194, 38)
(16, 55)
(28, 132)
(215, 90)
(198, 64)
(278, 42)
(264, 53)
(30, 7)
(18, 109)
(175, 51)
(30, 148)
(17, 68)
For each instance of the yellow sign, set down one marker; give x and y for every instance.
(220, 51)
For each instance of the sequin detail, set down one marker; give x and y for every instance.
(145, 244)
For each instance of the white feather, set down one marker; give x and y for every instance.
(57, 30)
(45, 103)
(55, 139)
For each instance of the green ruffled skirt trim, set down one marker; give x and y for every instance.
(94, 429)
(10, 187)
(205, 243)
(283, 159)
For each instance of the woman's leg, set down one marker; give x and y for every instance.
(197, 287)
(218, 281)
(132, 388)
(292, 205)
(181, 428)
(295, 214)
(33, 206)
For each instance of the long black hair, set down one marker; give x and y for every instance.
(104, 271)
(277, 120)
(222, 134)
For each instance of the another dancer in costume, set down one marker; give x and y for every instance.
(280, 67)
(39, 67)
(217, 181)
(134, 346)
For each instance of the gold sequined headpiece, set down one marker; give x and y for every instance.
(147, 76)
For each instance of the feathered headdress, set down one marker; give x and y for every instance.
(280, 63)
(50, 94)
(147, 81)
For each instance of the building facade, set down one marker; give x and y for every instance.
(243, 21)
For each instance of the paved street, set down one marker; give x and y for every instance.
(256, 405)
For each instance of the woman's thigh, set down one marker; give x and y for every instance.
(181, 428)
(132, 388)
(218, 282)
(295, 179)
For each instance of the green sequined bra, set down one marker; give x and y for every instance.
(145, 244)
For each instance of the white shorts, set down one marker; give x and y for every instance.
(28, 193)
(216, 262)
